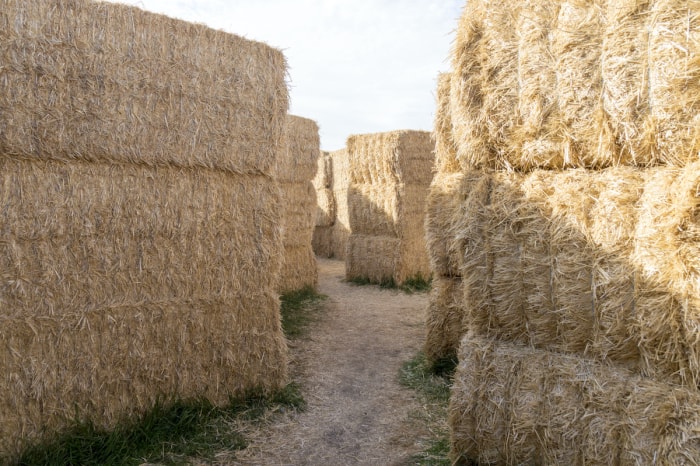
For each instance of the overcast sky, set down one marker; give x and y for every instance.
(355, 66)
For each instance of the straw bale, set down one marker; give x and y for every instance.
(374, 208)
(445, 147)
(443, 205)
(535, 138)
(624, 68)
(325, 210)
(123, 283)
(299, 212)
(466, 96)
(324, 172)
(322, 241)
(372, 257)
(674, 80)
(106, 82)
(392, 157)
(299, 268)
(341, 183)
(498, 53)
(444, 323)
(587, 140)
(518, 405)
(301, 142)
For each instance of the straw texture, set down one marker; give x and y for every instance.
(140, 238)
(389, 178)
(517, 405)
(297, 168)
(341, 185)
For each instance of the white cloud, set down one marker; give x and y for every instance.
(356, 66)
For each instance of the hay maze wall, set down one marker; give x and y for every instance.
(295, 173)
(139, 216)
(562, 229)
(389, 178)
(333, 216)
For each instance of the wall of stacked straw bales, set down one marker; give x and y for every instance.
(139, 237)
(341, 185)
(562, 231)
(389, 178)
(325, 212)
(296, 170)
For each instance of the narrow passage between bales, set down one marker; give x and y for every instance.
(347, 366)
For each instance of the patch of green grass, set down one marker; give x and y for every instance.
(170, 433)
(414, 284)
(299, 309)
(433, 390)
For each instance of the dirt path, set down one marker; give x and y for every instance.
(357, 412)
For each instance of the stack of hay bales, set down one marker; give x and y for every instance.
(389, 178)
(563, 232)
(139, 215)
(295, 171)
(325, 212)
(341, 186)
(333, 216)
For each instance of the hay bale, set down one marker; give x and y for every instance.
(389, 178)
(324, 172)
(296, 171)
(466, 95)
(518, 405)
(106, 82)
(445, 148)
(123, 284)
(535, 138)
(321, 242)
(587, 139)
(341, 184)
(674, 80)
(443, 205)
(624, 68)
(444, 323)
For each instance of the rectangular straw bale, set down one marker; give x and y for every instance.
(372, 257)
(299, 212)
(535, 138)
(466, 95)
(374, 208)
(321, 242)
(324, 172)
(325, 208)
(445, 148)
(674, 80)
(444, 202)
(102, 81)
(518, 405)
(126, 283)
(301, 140)
(625, 74)
(498, 54)
(299, 268)
(402, 156)
(445, 319)
(587, 140)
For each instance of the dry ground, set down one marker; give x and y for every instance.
(348, 366)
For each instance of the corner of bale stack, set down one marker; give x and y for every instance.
(140, 218)
(296, 169)
(325, 211)
(389, 178)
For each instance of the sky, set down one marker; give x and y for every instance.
(355, 66)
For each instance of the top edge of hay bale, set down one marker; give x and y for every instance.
(113, 83)
(401, 156)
